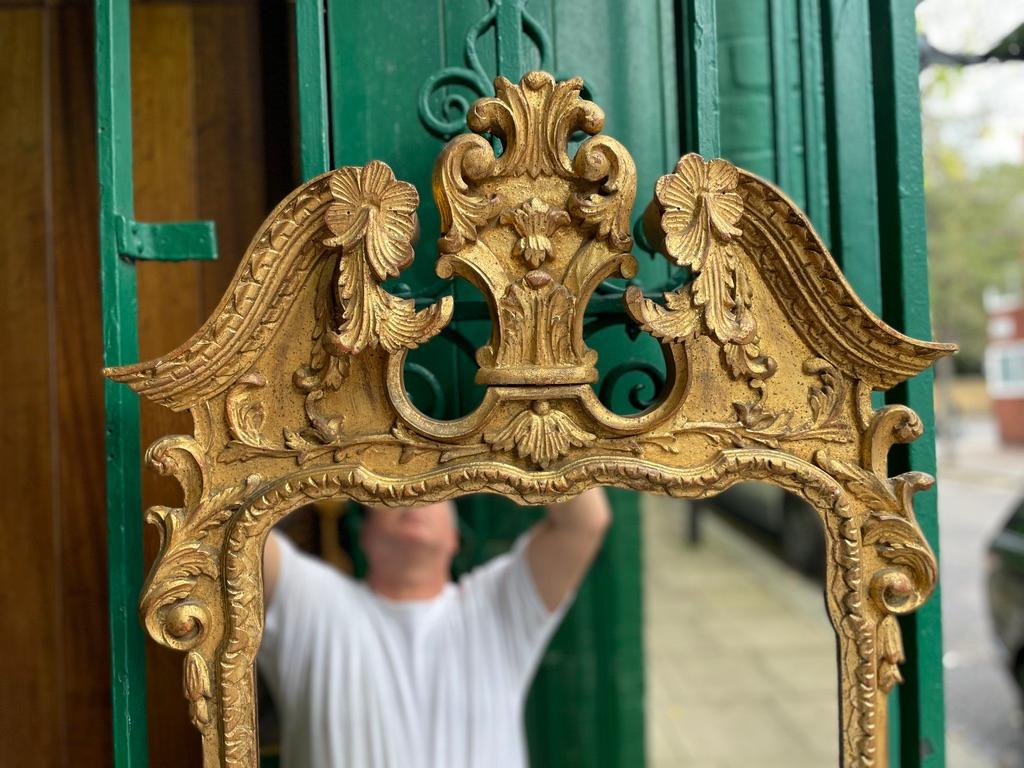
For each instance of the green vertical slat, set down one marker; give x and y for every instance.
(698, 63)
(311, 52)
(120, 346)
(745, 99)
(508, 30)
(782, 34)
(906, 306)
(851, 139)
(813, 100)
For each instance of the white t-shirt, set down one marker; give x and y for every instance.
(361, 681)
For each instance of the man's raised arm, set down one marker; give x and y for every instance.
(271, 566)
(565, 542)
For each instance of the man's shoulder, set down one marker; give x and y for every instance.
(496, 569)
(306, 573)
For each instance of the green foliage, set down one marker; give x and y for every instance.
(975, 240)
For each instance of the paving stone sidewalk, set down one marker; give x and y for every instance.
(740, 653)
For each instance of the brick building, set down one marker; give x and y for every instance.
(1004, 362)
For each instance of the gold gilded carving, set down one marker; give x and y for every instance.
(541, 434)
(197, 689)
(296, 385)
(535, 221)
(536, 313)
(373, 220)
(700, 209)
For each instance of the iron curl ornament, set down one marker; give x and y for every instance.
(296, 389)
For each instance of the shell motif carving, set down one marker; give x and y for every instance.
(296, 386)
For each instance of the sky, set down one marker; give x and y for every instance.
(979, 109)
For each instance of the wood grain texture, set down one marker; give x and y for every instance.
(190, 112)
(199, 154)
(77, 346)
(163, 116)
(32, 681)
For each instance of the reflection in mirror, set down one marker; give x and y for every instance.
(391, 649)
(384, 624)
(740, 653)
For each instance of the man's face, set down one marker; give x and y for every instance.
(411, 531)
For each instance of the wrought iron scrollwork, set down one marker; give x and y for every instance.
(449, 118)
(655, 383)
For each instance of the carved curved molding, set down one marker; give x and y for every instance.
(296, 384)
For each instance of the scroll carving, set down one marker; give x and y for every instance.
(296, 387)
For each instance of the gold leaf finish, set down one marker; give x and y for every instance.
(296, 388)
(535, 222)
(540, 434)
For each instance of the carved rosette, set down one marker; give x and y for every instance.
(296, 387)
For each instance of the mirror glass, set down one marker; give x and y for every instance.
(740, 654)
(698, 637)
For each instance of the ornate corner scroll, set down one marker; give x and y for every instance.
(296, 384)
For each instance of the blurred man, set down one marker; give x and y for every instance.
(408, 669)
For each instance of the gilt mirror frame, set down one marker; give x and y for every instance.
(296, 390)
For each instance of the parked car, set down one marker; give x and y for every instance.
(1006, 589)
(790, 523)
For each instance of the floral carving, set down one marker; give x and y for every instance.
(536, 313)
(371, 207)
(541, 434)
(197, 689)
(569, 222)
(373, 220)
(324, 373)
(701, 209)
(700, 213)
(535, 222)
(754, 424)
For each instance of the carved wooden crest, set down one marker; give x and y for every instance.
(296, 388)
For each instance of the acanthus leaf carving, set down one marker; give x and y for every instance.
(908, 573)
(170, 614)
(607, 211)
(374, 220)
(462, 209)
(537, 314)
(534, 120)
